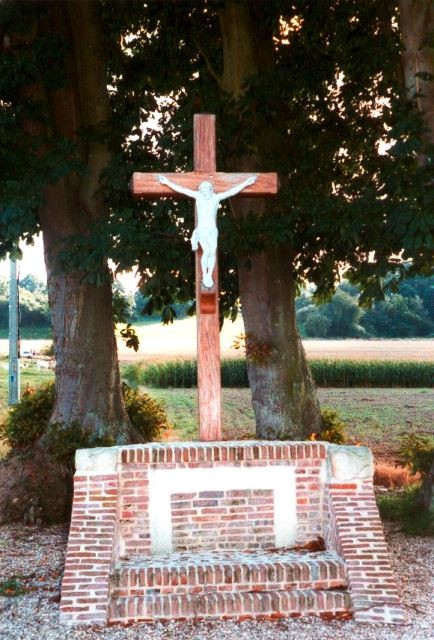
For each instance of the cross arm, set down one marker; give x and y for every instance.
(146, 185)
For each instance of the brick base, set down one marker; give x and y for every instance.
(208, 530)
(230, 605)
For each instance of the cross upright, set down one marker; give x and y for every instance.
(180, 185)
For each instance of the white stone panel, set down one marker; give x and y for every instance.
(164, 482)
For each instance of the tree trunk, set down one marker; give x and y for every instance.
(88, 389)
(427, 490)
(283, 392)
(417, 27)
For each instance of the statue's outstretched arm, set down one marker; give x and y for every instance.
(239, 187)
(177, 187)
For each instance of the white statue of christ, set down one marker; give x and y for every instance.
(206, 233)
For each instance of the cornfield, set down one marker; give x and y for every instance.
(326, 373)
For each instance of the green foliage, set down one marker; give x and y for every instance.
(326, 373)
(32, 283)
(28, 421)
(11, 587)
(62, 443)
(328, 91)
(146, 415)
(129, 334)
(122, 312)
(404, 508)
(122, 303)
(375, 373)
(407, 311)
(34, 310)
(417, 451)
(333, 429)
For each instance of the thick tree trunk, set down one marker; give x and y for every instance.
(283, 393)
(87, 373)
(427, 490)
(88, 389)
(417, 27)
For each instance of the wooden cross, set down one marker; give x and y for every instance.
(147, 185)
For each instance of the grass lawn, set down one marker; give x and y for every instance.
(376, 417)
(30, 375)
(30, 333)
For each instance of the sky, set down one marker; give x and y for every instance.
(33, 262)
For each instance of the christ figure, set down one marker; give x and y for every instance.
(206, 233)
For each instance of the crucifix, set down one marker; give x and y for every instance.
(207, 187)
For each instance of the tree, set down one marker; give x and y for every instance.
(417, 27)
(398, 317)
(308, 89)
(56, 115)
(32, 283)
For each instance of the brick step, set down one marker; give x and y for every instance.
(241, 605)
(222, 571)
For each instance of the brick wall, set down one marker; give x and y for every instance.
(232, 519)
(189, 502)
(306, 461)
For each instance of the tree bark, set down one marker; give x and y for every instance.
(88, 389)
(283, 393)
(417, 27)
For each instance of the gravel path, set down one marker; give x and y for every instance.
(35, 558)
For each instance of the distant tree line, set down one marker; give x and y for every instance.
(406, 313)
(34, 310)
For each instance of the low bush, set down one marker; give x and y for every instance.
(394, 477)
(28, 421)
(404, 508)
(326, 373)
(333, 429)
(417, 451)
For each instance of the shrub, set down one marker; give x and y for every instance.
(392, 477)
(417, 451)
(28, 420)
(405, 508)
(332, 428)
(11, 587)
(145, 413)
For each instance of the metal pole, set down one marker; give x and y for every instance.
(14, 349)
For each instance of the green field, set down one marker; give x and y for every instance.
(30, 333)
(30, 375)
(374, 416)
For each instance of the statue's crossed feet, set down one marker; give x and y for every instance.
(207, 281)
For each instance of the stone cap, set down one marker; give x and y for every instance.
(349, 463)
(98, 461)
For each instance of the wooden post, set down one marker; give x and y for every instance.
(147, 185)
(207, 303)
